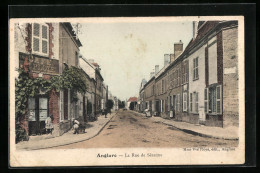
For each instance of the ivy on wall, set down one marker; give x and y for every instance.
(25, 86)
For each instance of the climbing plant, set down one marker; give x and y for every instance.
(25, 86)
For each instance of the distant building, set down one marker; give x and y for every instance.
(130, 100)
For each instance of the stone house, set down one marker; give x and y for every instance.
(200, 84)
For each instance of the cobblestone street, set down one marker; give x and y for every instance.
(130, 129)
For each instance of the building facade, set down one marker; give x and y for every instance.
(40, 51)
(199, 85)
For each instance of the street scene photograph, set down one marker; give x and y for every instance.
(95, 83)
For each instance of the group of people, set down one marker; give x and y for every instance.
(49, 125)
(76, 124)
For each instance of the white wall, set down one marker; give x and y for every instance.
(212, 57)
(20, 44)
(197, 85)
(87, 68)
(55, 41)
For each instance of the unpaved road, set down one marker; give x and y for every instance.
(129, 129)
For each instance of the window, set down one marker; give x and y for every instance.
(190, 102)
(214, 99)
(32, 109)
(195, 68)
(76, 59)
(162, 86)
(219, 100)
(185, 101)
(185, 72)
(40, 39)
(178, 102)
(43, 108)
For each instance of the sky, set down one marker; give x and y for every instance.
(128, 51)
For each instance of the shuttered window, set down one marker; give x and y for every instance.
(40, 38)
(191, 102)
(196, 68)
(197, 102)
(178, 103)
(219, 94)
(185, 101)
(206, 100)
(214, 100)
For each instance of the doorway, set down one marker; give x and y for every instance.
(38, 112)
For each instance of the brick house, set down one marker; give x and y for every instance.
(40, 51)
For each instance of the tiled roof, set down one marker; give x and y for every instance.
(95, 64)
(132, 99)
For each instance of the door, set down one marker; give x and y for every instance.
(65, 107)
(38, 112)
(173, 105)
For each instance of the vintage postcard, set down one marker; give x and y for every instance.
(115, 91)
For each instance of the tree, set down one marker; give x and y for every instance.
(121, 104)
(109, 104)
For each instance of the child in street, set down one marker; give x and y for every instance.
(76, 126)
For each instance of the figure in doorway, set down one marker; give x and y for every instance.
(48, 124)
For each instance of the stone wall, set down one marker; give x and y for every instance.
(230, 77)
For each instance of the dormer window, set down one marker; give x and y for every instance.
(40, 39)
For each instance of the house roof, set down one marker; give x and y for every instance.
(70, 29)
(95, 64)
(132, 99)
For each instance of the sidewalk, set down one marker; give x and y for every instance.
(48, 141)
(230, 133)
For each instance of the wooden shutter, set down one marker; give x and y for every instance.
(36, 35)
(44, 39)
(197, 102)
(185, 101)
(194, 69)
(197, 68)
(190, 102)
(218, 98)
(36, 29)
(206, 95)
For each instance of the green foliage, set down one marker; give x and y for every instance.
(20, 134)
(121, 104)
(72, 78)
(110, 104)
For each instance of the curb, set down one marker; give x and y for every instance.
(197, 133)
(59, 145)
(201, 134)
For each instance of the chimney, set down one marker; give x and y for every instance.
(172, 57)
(166, 59)
(195, 29)
(151, 74)
(156, 69)
(178, 48)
